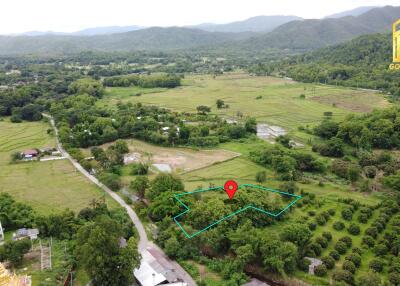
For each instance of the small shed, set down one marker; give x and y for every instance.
(28, 154)
(314, 263)
(31, 233)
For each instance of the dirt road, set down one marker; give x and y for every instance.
(144, 243)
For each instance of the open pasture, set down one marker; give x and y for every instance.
(276, 101)
(50, 186)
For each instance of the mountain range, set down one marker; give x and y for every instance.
(297, 34)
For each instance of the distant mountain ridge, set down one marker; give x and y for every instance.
(353, 12)
(294, 36)
(313, 34)
(254, 24)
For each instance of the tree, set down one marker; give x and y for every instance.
(347, 214)
(121, 146)
(87, 85)
(164, 183)
(338, 225)
(349, 266)
(376, 265)
(220, 103)
(139, 186)
(327, 129)
(251, 125)
(370, 279)
(354, 229)
(320, 270)
(355, 258)
(328, 261)
(14, 251)
(110, 180)
(261, 176)
(284, 140)
(341, 247)
(139, 169)
(202, 109)
(99, 241)
(343, 276)
(299, 234)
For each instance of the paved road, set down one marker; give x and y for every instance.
(144, 243)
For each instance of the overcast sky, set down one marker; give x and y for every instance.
(72, 15)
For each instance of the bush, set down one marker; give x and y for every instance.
(331, 212)
(139, 169)
(312, 225)
(368, 240)
(362, 218)
(322, 241)
(304, 264)
(110, 180)
(327, 235)
(357, 250)
(380, 250)
(320, 270)
(311, 213)
(355, 258)
(372, 231)
(370, 279)
(315, 248)
(334, 254)
(328, 261)
(341, 247)
(261, 176)
(343, 276)
(347, 240)
(349, 266)
(347, 214)
(394, 278)
(376, 265)
(354, 229)
(320, 219)
(338, 225)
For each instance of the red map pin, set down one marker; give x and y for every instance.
(231, 188)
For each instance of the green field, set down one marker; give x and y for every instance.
(280, 103)
(50, 186)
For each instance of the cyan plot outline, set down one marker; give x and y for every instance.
(187, 209)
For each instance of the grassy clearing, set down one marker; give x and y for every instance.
(280, 101)
(47, 186)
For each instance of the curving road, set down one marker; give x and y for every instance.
(144, 244)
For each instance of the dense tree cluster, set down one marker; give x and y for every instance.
(145, 81)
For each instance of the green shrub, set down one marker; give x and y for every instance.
(261, 176)
(334, 254)
(380, 250)
(322, 241)
(341, 247)
(343, 276)
(347, 214)
(347, 240)
(394, 278)
(312, 225)
(320, 270)
(372, 231)
(139, 169)
(368, 241)
(354, 229)
(304, 264)
(376, 265)
(338, 225)
(328, 261)
(327, 235)
(331, 212)
(355, 258)
(320, 219)
(349, 266)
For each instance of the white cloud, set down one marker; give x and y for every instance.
(71, 15)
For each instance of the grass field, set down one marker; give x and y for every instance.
(47, 186)
(280, 103)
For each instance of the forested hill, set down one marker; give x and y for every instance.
(362, 62)
(312, 34)
(155, 39)
(294, 36)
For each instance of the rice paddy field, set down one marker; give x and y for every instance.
(48, 187)
(276, 101)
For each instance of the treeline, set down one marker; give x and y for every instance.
(353, 142)
(83, 124)
(145, 81)
(94, 233)
(362, 63)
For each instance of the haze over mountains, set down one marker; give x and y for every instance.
(254, 34)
